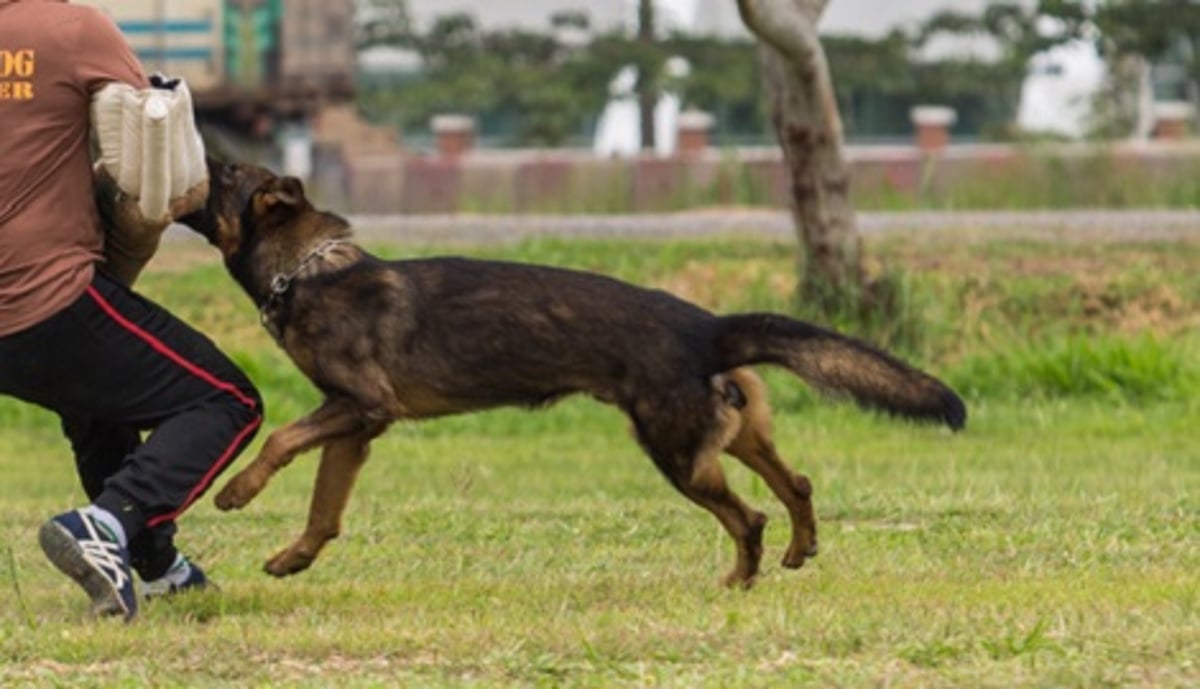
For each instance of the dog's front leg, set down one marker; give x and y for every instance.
(334, 418)
(340, 461)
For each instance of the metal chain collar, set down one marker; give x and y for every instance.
(282, 282)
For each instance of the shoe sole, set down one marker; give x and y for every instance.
(64, 552)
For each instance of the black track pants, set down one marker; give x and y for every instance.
(113, 365)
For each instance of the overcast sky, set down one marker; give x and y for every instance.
(860, 17)
(864, 17)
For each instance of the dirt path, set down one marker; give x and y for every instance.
(1075, 225)
(1144, 225)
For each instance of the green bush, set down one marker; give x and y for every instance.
(1143, 368)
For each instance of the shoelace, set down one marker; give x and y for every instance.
(104, 554)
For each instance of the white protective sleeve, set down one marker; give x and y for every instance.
(149, 144)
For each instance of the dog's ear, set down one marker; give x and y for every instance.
(286, 192)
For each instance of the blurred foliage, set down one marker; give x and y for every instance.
(546, 87)
(382, 22)
(1129, 34)
(550, 86)
(878, 81)
(1020, 31)
(1159, 30)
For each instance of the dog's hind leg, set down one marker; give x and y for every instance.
(340, 461)
(753, 446)
(685, 438)
(334, 418)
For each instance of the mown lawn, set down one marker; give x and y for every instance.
(1055, 543)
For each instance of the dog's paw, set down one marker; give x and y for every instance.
(287, 562)
(797, 553)
(236, 494)
(738, 579)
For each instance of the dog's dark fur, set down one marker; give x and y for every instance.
(389, 340)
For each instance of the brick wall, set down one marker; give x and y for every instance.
(576, 181)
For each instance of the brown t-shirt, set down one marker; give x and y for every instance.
(53, 56)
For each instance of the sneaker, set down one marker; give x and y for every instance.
(169, 584)
(86, 552)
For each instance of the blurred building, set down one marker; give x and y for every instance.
(1058, 93)
(260, 71)
(281, 55)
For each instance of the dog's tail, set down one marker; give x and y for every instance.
(838, 364)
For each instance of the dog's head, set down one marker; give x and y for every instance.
(244, 200)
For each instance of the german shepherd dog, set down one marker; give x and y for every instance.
(414, 339)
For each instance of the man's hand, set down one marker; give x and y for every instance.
(130, 239)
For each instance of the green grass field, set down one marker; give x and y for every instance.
(1055, 543)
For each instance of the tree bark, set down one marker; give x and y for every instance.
(805, 117)
(647, 93)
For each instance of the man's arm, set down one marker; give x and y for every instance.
(105, 56)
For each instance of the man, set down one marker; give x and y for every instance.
(73, 340)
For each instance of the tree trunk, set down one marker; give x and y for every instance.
(647, 93)
(805, 116)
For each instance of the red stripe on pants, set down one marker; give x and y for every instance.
(227, 387)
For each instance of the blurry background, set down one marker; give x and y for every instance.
(418, 106)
